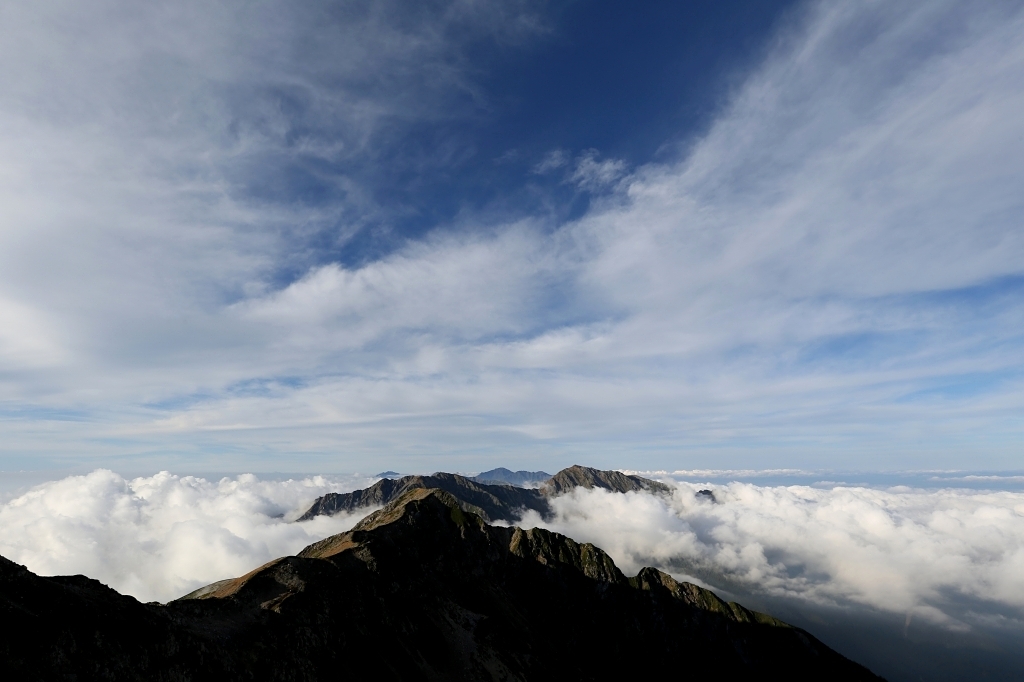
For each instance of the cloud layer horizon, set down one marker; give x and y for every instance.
(951, 557)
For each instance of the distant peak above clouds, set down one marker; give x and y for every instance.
(520, 478)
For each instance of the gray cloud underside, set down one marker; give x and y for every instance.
(835, 263)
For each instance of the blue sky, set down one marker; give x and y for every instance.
(455, 235)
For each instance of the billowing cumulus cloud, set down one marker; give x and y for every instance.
(159, 537)
(953, 557)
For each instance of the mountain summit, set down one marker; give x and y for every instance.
(578, 476)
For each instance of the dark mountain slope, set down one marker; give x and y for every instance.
(491, 501)
(428, 591)
(72, 627)
(420, 590)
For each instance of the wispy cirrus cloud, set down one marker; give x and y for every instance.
(833, 266)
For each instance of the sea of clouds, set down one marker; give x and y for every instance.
(160, 537)
(953, 557)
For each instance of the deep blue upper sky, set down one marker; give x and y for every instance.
(632, 81)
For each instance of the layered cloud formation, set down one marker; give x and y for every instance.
(160, 537)
(832, 270)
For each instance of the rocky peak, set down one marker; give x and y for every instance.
(578, 476)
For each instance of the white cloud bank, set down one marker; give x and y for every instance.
(953, 557)
(159, 537)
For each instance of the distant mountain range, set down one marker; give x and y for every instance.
(490, 501)
(422, 589)
(520, 478)
(499, 476)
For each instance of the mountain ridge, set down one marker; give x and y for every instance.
(392, 537)
(420, 589)
(491, 501)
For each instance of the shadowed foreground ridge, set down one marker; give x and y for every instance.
(492, 501)
(418, 590)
